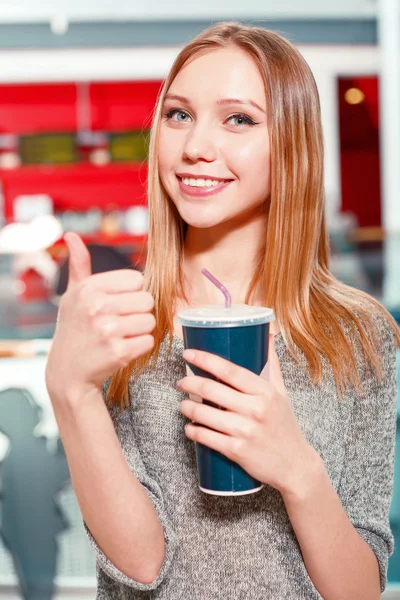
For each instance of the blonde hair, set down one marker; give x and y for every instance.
(313, 308)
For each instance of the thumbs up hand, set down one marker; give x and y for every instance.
(80, 266)
(104, 322)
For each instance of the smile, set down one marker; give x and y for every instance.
(194, 182)
(199, 186)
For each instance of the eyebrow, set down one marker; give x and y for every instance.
(222, 102)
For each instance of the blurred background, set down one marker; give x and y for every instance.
(78, 83)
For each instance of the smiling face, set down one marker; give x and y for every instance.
(214, 151)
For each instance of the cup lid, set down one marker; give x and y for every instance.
(216, 315)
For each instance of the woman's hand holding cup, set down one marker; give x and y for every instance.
(104, 322)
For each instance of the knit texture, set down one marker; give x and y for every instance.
(244, 547)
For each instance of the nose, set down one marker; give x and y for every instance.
(199, 145)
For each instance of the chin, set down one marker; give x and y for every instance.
(203, 219)
(202, 223)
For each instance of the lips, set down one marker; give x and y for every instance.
(203, 191)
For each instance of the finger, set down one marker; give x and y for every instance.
(220, 394)
(212, 439)
(131, 348)
(79, 261)
(125, 326)
(274, 372)
(237, 377)
(122, 304)
(117, 282)
(219, 420)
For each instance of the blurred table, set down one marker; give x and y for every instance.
(368, 260)
(26, 321)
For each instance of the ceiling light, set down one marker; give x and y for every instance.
(354, 96)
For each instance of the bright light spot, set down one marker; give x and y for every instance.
(354, 96)
(136, 220)
(9, 160)
(99, 157)
(41, 233)
(59, 25)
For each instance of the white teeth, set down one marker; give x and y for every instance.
(193, 182)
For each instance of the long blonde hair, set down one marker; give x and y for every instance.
(312, 307)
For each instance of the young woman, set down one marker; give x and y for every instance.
(235, 186)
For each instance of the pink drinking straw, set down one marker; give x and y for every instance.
(218, 284)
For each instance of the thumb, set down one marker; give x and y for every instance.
(80, 264)
(274, 368)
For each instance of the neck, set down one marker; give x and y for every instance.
(230, 253)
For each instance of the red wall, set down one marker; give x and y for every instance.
(46, 108)
(114, 106)
(359, 151)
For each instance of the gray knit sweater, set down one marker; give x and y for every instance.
(244, 547)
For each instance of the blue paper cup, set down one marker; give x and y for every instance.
(239, 334)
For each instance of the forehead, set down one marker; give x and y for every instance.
(220, 73)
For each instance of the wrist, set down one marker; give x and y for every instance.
(73, 397)
(304, 479)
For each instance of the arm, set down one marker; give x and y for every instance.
(341, 565)
(345, 537)
(124, 519)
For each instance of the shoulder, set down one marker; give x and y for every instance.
(377, 321)
(379, 338)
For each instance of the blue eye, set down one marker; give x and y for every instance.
(178, 113)
(242, 120)
(181, 116)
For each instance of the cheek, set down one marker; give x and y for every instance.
(252, 163)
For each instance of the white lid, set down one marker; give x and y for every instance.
(216, 315)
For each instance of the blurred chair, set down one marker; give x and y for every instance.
(30, 476)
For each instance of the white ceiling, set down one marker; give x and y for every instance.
(14, 11)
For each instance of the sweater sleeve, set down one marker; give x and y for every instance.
(367, 478)
(123, 426)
